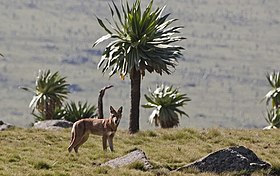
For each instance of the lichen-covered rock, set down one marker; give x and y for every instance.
(230, 159)
(53, 124)
(134, 156)
(4, 126)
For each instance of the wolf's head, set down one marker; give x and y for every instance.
(116, 115)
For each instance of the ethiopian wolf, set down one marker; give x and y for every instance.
(102, 127)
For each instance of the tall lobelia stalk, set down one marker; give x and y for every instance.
(141, 41)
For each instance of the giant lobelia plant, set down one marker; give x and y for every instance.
(166, 102)
(273, 118)
(273, 98)
(141, 41)
(49, 93)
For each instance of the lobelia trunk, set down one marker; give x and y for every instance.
(135, 78)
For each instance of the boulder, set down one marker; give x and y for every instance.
(132, 157)
(229, 159)
(4, 126)
(53, 124)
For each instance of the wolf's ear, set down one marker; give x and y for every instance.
(112, 110)
(120, 110)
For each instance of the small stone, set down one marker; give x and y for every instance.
(134, 156)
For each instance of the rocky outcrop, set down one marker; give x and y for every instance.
(130, 158)
(4, 126)
(53, 124)
(230, 159)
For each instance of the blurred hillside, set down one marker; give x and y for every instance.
(230, 47)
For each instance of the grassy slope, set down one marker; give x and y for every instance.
(41, 152)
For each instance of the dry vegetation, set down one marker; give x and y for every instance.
(42, 152)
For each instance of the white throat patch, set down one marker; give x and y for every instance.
(116, 120)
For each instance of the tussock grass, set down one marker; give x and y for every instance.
(43, 152)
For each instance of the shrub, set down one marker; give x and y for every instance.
(273, 118)
(273, 98)
(73, 112)
(166, 102)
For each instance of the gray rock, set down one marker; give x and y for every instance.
(230, 159)
(4, 126)
(134, 156)
(53, 124)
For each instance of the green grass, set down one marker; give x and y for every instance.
(42, 152)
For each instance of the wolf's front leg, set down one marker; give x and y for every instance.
(110, 140)
(104, 142)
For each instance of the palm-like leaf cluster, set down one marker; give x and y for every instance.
(166, 102)
(142, 41)
(50, 92)
(73, 112)
(273, 99)
(274, 94)
(273, 118)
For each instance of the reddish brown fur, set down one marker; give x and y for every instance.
(102, 127)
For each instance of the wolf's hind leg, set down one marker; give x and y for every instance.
(76, 138)
(82, 141)
(71, 142)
